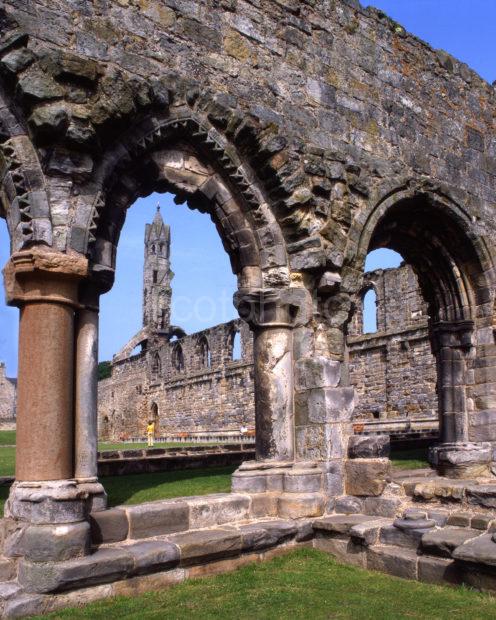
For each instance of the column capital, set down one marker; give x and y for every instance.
(263, 308)
(453, 334)
(41, 274)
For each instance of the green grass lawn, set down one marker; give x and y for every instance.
(7, 438)
(301, 585)
(137, 488)
(410, 459)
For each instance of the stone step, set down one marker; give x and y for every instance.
(340, 524)
(480, 550)
(9, 589)
(168, 516)
(166, 552)
(444, 541)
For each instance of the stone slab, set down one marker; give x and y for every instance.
(198, 546)
(368, 532)
(340, 524)
(482, 495)
(408, 539)
(481, 550)
(444, 541)
(103, 566)
(153, 556)
(265, 534)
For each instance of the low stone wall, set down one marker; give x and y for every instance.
(122, 462)
(154, 545)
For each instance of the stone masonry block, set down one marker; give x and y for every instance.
(108, 526)
(367, 476)
(301, 481)
(393, 561)
(444, 541)
(54, 543)
(157, 518)
(212, 510)
(299, 505)
(438, 570)
(345, 551)
(316, 372)
(368, 446)
(103, 566)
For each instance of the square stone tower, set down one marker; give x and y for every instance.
(157, 275)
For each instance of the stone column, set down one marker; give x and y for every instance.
(44, 285)
(455, 456)
(86, 397)
(271, 319)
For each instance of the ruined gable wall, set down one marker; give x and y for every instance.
(393, 369)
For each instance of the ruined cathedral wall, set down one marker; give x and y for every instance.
(208, 393)
(7, 396)
(393, 369)
(196, 397)
(122, 404)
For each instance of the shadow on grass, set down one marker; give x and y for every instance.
(137, 488)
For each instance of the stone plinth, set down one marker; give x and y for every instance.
(462, 460)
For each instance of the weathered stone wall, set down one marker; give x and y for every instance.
(7, 396)
(393, 369)
(207, 394)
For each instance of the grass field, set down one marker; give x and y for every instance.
(410, 459)
(301, 585)
(137, 488)
(7, 438)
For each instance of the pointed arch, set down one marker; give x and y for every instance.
(177, 357)
(204, 352)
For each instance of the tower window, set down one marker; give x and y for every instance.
(155, 275)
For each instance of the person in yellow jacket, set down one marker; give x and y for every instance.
(150, 432)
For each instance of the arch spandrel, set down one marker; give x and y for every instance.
(200, 168)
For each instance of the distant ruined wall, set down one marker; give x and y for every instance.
(393, 369)
(7, 396)
(209, 391)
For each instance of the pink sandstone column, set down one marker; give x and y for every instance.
(44, 284)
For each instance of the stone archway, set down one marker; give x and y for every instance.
(456, 277)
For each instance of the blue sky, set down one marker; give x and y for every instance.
(203, 284)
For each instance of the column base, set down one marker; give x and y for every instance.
(47, 521)
(296, 489)
(47, 502)
(462, 459)
(97, 496)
